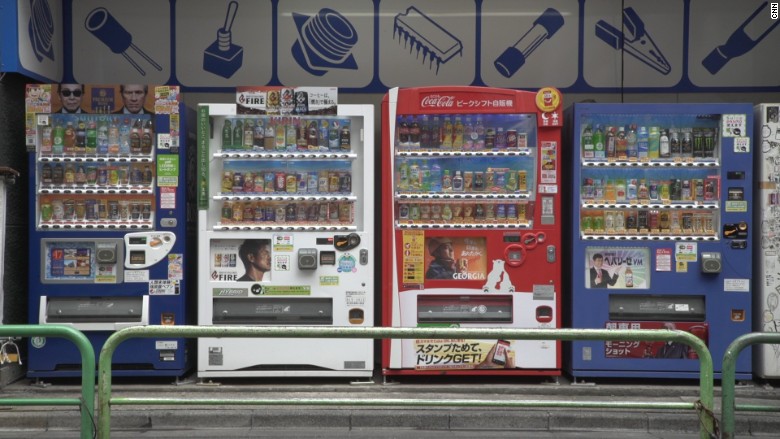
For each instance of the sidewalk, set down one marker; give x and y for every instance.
(352, 418)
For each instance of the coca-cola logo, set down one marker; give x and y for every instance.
(438, 101)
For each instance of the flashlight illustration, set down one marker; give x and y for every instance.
(742, 40)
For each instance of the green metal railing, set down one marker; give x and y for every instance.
(728, 379)
(706, 394)
(86, 403)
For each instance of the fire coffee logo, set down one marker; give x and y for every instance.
(223, 276)
(438, 101)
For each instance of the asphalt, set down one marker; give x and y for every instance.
(339, 408)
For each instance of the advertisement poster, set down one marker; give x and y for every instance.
(617, 267)
(455, 258)
(463, 354)
(286, 100)
(241, 260)
(654, 349)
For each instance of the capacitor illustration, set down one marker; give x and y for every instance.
(104, 27)
(544, 27)
(423, 35)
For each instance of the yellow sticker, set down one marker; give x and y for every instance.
(548, 99)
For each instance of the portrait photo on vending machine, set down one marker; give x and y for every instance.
(455, 258)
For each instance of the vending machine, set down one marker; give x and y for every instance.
(471, 226)
(661, 223)
(285, 235)
(766, 280)
(108, 217)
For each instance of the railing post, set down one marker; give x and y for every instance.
(729, 375)
(81, 341)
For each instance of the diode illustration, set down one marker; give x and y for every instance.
(421, 33)
(544, 27)
(104, 26)
(222, 57)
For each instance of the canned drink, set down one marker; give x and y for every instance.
(501, 212)
(102, 176)
(522, 209)
(457, 212)
(259, 185)
(511, 211)
(699, 189)
(303, 181)
(249, 212)
(269, 214)
(135, 211)
(511, 139)
(280, 184)
(227, 211)
(70, 209)
(269, 178)
(113, 210)
(414, 212)
(334, 183)
(312, 185)
(468, 181)
(238, 182)
(463, 265)
(58, 174)
(322, 182)
(345, 182)
(137, 177)
(301, 213)
(500, 179)
(123, 175)
(436, 212)
(102, 209)
(91, 207)
(333, 212)
(490, 211)
(124, 210)
(479, 182)
(479, 212)
(468, 213)
(403, 211)
(313, 212)
(238, 212)
(113, 176)
(291, 185)
(46, 210)
(345, 212)
(280, 214)
(57, 210)
(249, 182)
(687, 221)
(490, 180)
(217, 260)
(425, 212)
(291, 212)
(92, 172)
(522, 180)
(323, 212)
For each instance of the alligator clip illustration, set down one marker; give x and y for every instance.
(635, 40)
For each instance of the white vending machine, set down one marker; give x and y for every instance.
(766, 276)
(285, 238)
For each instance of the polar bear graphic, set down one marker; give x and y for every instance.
(498, 276)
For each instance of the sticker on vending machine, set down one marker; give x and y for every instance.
(176, 266)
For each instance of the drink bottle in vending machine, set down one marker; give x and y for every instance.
(472, 227)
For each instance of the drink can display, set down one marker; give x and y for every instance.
(436, 212)
(345, 212)
(57, 210)
(269, 213)
(269, 178)
(249, 212)
(91, 209)
(46, 210)
(490, 180)
(511, 211)
(303, 181)
(500, 179)
(333, 212)
(280, 182)
(598, 222)
(227, 211)
(238, 182)
(479, 212)
(522, 180)
(345, 181)
(113, 176)
(313, 212)
(334, 182)
(403, 211)
(468, 181)
(70, 209)
(113, 210)
(259, 185)
(291, 185)
(312, 184)
(490, 211)
(414, 212)
(425, 212)
(146, 211)
(135, 211)
(501, 212)
(699, 189)
(457, 212)
(249, 182)
(124, 210)
(468, 213)
(511, 139)
(479, 182)
(92, 172)
(123, 175)
(687, 221)
(322, 182)
(280, 214)
(238, 212)
(521, 212)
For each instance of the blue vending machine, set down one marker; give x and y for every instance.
(661, 222)
(108, 223)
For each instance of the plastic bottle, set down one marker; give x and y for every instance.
(653, 143)
(425, 176)
(447, 132)
(403, 175)
(91, 137)
(500, 138)
(290, 132)
(621, 145)
(102, 137)
(135, 137)
(269, 135)
(631, 190)
(588, 149)
(436, 132)
(238, 135)
(249, 134)
(629, 277)
(611, 148)
(598, 143)
(457, 182)
(403, 132)
(415, 175)
(631, 142)
(643, 143)
(458, 133)
(446, 181)
(81, 137)
(436, 176)
(414, 133)
(227, 135)
(479, 134)
(124, 137)
(425, 132)
(664, 151)
(147, 138)
(469, 135)
(58, 139)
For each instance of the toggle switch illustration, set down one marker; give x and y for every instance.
(545, 26)
(222, 57)
(105, 28)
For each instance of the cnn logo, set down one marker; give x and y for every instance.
(773, 12)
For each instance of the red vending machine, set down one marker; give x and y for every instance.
(471, 233)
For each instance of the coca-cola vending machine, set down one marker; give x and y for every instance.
(472, 226)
